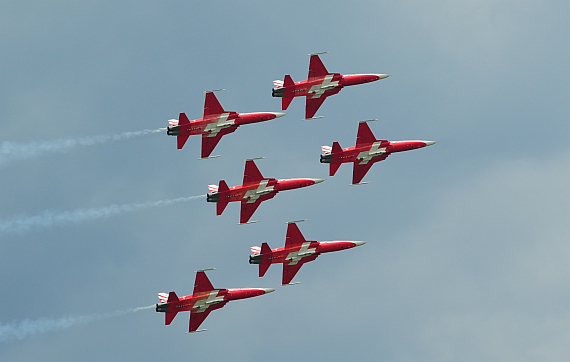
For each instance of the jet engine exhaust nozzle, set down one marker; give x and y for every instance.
(326, 158)
(173, 131)
(278, 92)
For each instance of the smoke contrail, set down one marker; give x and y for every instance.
(48, 218)
(28, 327)
(11, 151)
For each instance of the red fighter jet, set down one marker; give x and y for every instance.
(297, 251)
(215, 124)
(367, 151)
(203, 300)
(319, 85)
(254, 190)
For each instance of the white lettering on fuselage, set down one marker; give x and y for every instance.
(375, 150)
(318, 89)
(296, 256)
(216, 126)
(203, 304)
(262, 189)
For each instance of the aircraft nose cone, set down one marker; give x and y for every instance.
(382, 76)
(278, 114)
(358, 243)
(318, 180)
(429, 143)
(268, 290)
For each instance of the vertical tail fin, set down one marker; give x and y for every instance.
(326, 149)
(162, 297)
(277, 83)
(255, 250)
(213, 188)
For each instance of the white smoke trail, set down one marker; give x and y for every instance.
(26, 328)
(12, 151)
(49, 218)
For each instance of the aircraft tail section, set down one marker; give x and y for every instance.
(181, 140)
(263, 269)
(334, 168)
(213, 188)
(326, 149)
(336, 147)
(285, 102)
(220, 207)
(162, 297)
(277, 83)
(255, 250)
(168, 317)
(288, 81)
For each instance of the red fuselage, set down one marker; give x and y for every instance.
(373, 152)
(308, 251)
(325, 85)
(214, 299)
(230, 120)
(252, 191)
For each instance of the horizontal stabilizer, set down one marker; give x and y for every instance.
(263, 269)
(334, 168)
(172, 297)
(288, 81)
(183, 119)
(168, 317)
(181, 141)
(220, 207)
(336, 147)
(223, 186)
(285, 102)
(265, 249)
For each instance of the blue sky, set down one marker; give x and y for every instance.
(467, 240)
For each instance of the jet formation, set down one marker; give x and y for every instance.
(255, 188)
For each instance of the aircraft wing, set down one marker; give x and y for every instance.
(251, 173)
(211, 105)
(209, 140)
(364, 135)
(313, 105)
(359, 171)
(316, 67)
(294, 236)
(202, 283)
(196, 318)
(247, 209)
(289, 272)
